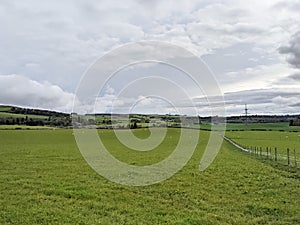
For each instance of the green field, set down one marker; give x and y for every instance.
(6, 115)
(45, 180)
(280, 126)
(24, 127)
(5, 108)
(270, 139)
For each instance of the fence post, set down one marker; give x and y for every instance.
(270, 153)
(275, 153)
(288, 155)
(295, 158)
(260, 151)
(267, 153)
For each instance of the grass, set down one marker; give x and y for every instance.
(138, 157)
(24, 127)
(270, 139)
(4, 108)
(44, 180)
(7, 115)
(280, 126)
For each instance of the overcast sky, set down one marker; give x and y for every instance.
(252, 47)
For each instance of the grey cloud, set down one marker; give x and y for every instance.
(263, 101)
(235, 58)
(246, 28)
(292, 5)
(292, 50)
(259, 101)
(295, 77)
(259, 96)
(270, 101)
(292, 79)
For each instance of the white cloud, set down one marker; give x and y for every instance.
(56, 41)
(21, 91)
(261, 76)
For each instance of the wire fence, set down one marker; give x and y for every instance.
(289, 158)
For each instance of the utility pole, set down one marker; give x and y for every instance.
(246, 115)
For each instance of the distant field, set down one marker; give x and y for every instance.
(10, 115)
(44, 180)
(15, 115)
(256, 126)
(4, 108)
(263, 126)
(270, 139)
(24, 127)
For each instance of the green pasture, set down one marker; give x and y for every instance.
(4, 108)
(25, 127)
(45, 180)
(270, 139)
(280, 126)
(6, 115)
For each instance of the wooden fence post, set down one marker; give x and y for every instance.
(295, 158)
(275, 153)
(260, 151)
(288, 155)
(267, 153)
(270, 153)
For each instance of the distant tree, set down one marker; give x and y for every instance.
(133, 126)
(91, 121)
